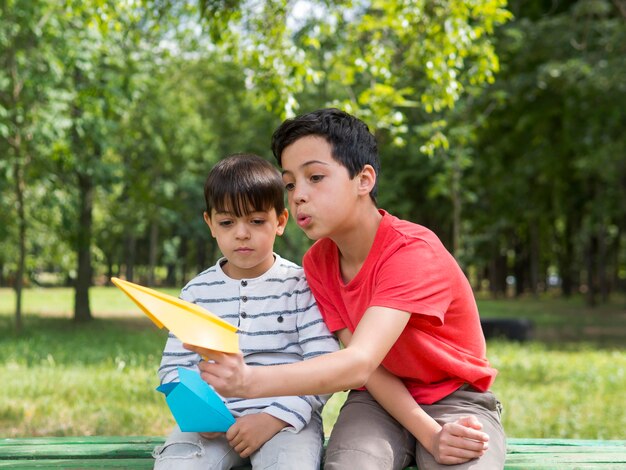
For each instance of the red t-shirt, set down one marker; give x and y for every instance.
(409, 269)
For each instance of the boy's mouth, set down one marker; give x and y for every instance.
(303, 220)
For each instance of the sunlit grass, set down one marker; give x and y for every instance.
(59, 301)
(560, 393)
(99, 378)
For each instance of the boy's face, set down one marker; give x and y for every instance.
(321, 195)
(247, 242)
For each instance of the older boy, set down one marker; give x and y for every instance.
(268, 299)
(396, 298)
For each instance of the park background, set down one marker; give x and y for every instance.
(500, 127)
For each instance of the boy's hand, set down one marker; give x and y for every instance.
(460, 441)
(226, 372)
(250, 432)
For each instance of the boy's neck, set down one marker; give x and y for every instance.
(355, 244)
(237, 273)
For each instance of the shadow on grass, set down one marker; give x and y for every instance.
(101, 341)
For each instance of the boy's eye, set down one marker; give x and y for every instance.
(258, 221)
(290, 186)
(317, 178)
(225, 223)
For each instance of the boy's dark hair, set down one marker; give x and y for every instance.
(352, 143)
(244, 183)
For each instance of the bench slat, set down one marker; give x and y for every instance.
(72, 448)
(78, 463)
(135, 452)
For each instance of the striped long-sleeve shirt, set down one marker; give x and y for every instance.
(278, 322)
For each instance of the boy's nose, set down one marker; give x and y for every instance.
(299, 197)
(242, 231)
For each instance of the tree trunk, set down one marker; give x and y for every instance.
(20, 163)
(82, 310)
(520, 267)
(566, 260)
(182, 252)
(109, 261)
(591, 254)
(616, 250)
(201, 253)
(497, 273)
(170, 277)
(130, 250)
(152, 255)
(21, 264)
(534, 259)
(603, 282)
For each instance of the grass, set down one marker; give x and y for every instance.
(64, 379)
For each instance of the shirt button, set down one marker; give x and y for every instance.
(244, 314)
(244, 283)
(244, 299)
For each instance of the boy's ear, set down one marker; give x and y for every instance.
(367, 179)
(207, 220)
(282, 222)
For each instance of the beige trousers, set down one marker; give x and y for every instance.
(366, 437)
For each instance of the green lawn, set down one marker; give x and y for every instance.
(62, 378)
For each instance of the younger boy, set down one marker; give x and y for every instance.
(399, 303)
(269, 301)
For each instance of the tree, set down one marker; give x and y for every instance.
(27, 34)
(552, 147)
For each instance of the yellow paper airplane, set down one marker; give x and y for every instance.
(189, 322)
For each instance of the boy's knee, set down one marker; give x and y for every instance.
(366, 454)
(166, 455)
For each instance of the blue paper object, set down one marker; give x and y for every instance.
(195, 405)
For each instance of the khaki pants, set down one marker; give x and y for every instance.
(366, 437)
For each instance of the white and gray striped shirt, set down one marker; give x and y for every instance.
(278, 322)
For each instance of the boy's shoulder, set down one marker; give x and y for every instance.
(208, 278)
(286, 271)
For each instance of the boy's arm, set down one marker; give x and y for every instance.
(454, 443)
(348, 368)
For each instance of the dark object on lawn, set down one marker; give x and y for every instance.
(517, 329)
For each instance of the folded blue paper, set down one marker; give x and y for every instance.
(195, 405)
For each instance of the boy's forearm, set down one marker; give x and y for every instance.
(391, 393)
(348, 368)
(330, 373)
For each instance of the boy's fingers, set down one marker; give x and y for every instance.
(470, 433)
(470, 421)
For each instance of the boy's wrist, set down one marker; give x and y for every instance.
(274, 422)
(253, 382)
(428, 434)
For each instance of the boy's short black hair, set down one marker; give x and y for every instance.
(352, 143)
(244, 183)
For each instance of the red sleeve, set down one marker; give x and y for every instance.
(416, 279)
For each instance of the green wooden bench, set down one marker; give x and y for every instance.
(135, 452)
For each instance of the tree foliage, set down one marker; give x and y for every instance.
(502, 133)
